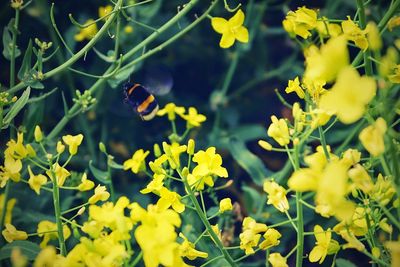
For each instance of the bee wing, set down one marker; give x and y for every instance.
(158, 80)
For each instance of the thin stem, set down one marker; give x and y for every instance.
(367, 53)
(205, 222)
(13, 48)
(212, 260)
(137, 259)
(323, 143)
(390, 216)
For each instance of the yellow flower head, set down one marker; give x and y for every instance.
(137, 163)
(16, 150)
(361, 178)
(73, 142)
(11, 233)
(225, 205)
(168, 199)
(100, 194)
(193, 118)
(271, 238)
(9, 207)
(304, 179)
(323, 246)
(351, 157)
(85, 184)
(48, 257)
(327, 29)
(250, 235)
(383, 190)
(325, 63)
(171, 110)
(349, 96)
(279, 131)
(393, 22)
(209, 162)
(300, 22)
(173, 153)
(88, 32)
(11, 170)
(355, 34)
(294, 86)
(36, 181)
(38, 134)
(231, 29)
(105, 10)
(374, 37)
(58, 172)
(276, 195)
(277, 260)
(48, 230)
(372, 137)
(187, 249)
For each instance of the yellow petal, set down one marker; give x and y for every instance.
(219, 25)
(316, 254)
(242, 35)
(237, 20)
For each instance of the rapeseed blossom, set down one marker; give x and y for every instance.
(372, 137)
(279, 131)
(355, 34)
(231, 29)
(171, 110)
(294, 86)
(277, 260)
(10, 233)
(100, 194)
(193, 118)
(59, 173)
(173, 151)
(276, 195)
(225, 205)
(87, 32)
(85, 184)
(349, 103)
(36, 181)
(324, 245)
(300, 22)
(73, 142)
(170, 199)
(48, 230)
(271, 238)
(104, 11)
(187, 249)
(137, 162)
(250, 235)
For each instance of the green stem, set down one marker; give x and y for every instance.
(79, 54)
(385, 166)
(323, 143)
(137, 259)
(211, 261)
(13, 47)
(350, 137)
(367, 53)
(205, 222)
(4, 207)
(57, 211)
(390, 216)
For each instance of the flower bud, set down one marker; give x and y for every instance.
(264, 144)
(38, 134)
(102, 147)
(190, 149)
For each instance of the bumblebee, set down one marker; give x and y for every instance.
(143, 102)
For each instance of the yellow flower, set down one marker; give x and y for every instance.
(48, 230)
(73, 142)
(105, 10)
(85, 184)
(374, 37)
(277, 260)
(394, 248)
(193, 118)
(388, 62)
(209, 163)
(168, 199)
(36, 181)
(88, 32)
(225, 205)
(361, 178)
(137, 163)
(271, 237)
(38, 134)
(294, 86)
(198, 182)
(10, 170)
(100, 194)
(59, 172)
(383, 190)
(323, 246)
(9, 207)
(300, 22)
(250, 235)
(315, 88)
(11, 233)
(319, 117)
(327, 29)
(351, 157)
(17, 258)
(231, 29)
(279, 131)
(187, 249)
(173, 153)
(60, 147)
(372, 137)
(128, 29)
(171, 110)
(394, 77)
(393, 22)
(355, 34)
(324, 64)
(304, 179)
(276, 195)
(349, 102)
(49, 257)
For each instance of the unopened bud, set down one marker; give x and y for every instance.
(38, 134)
(190, 148)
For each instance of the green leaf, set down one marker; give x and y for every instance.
(7, 41)
(29, 249)
(344, 263)
(43, 96)
(101, 176)
(252, 199)
(248, 161)
(121, 75)
(26, 65)
(16, 108)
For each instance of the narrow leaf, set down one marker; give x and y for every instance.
(29, 249)
(43, 96)
(101, 176)
(16, 108)
(344, 263)
(26, 65)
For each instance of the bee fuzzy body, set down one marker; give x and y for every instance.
(141, 100)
